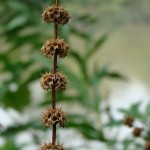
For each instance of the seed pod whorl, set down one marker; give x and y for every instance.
(50, 146)
(137, 132)
(48, 80)
(54, 116)
(129, 120)
(56, 14)
(51, 46)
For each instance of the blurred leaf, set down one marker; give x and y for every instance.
(14, 130)
(114, 123)
(85, 36)
(9, 145)
(96, 46)
(99, 75)
(17, 21)
(134, 110)
(87, 130)
(18, 99)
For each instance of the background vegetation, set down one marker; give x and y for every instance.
(21, 65)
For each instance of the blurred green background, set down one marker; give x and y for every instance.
(107, 69)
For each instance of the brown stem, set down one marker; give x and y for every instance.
(54, 87)
(57, 2)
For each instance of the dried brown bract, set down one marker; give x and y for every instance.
(56, 14)
(129, 120)
(48, 80)
(50, 146)
(52, 46)
(54, 116)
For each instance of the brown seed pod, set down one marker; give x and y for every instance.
(50, 146)
(147, 146)
(137, 132)
(48, 80)
(52, 46)
(56, 14)
(54, 116)
(129, 120)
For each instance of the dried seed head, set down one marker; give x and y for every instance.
(50, 146)
(48, 80)
(147, 146)
(54, 116)
(52, 46)
(137, 132)
(129, 120)
(56, 14)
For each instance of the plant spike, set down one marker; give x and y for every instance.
(53, 80)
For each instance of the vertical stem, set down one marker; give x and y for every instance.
(54, 87)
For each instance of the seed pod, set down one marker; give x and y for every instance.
(137, 132)
(52, 46)
(56, 14)
(129, 120)
(50, 146)
(48, 80)
(54, 116)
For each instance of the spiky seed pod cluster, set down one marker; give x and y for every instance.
(137, 132)
(50, 146)
(48, 80)
(54, 116)
(147, 146)
(129, 120)
(51, 46)
(56, 14)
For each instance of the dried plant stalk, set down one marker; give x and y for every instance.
(54, 81)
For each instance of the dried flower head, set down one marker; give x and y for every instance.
(52, 46)
(56, 14)
(54, 116)
(48, 80)
(50, 146)
(129, 120)
(147, 146)
(137, 132)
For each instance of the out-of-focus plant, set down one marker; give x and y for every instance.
(140, 122)
(21, 64)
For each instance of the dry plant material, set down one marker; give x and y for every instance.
(54, 81)
(137, 132)
(48, 80)
(56, 14)
(54, 116)
(51, 46)
(129, 120)
(50, 146)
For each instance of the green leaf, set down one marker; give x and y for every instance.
(85, 36)
(14, 130)
(87, 130)
(134, 110)
(17, 21)
(85, 127)
(18, 99)
(98, 75)
(96, 46)
(10, 145)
